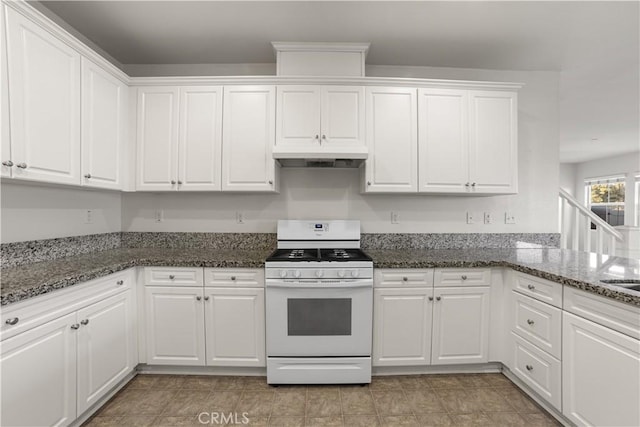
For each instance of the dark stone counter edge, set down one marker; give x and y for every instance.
(45, 288)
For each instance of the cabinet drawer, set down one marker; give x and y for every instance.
(540, 289)
(538, 370)
(172, 276)
(538, 323)
(462, 277)
(399, 278)
(621, 317)
(225, 277)
(26, 315)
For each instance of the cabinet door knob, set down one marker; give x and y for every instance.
(464, 277)
(171, 276)
(198, 298)
(233, 277)
(368, 182)
(22, 165)
(530, 322)
(529, 368)
(438, 298)
(317, 136)
(179, 182)
(75, 326)
(430, 298)
(324, 137)
(405, 278)
(473, 184)
(531, 287)
(270, 182)
(120, 282)
(467, 184)
(88, 176)
(12, 321)
(8, 163)
(85, 321)
(173, 182)
(206, 298)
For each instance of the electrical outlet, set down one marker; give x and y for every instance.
(509, 218)
(88, 216)
(472, 217)
(239, 218)
(488, 218)
(395, 217)
(159, 215)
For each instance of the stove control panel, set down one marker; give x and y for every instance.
(322, 274)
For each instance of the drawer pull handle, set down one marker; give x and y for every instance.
(530, 322)
(85, 321)
(120, 282)
(531, 287)
(529, 368)
(171, 276)
(198, 298)
(438, 298)
(12, 321)
(404, 279)
(233, 277)
(75, 326)
(464, 277)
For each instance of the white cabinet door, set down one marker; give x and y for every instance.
(461, 325)
(104, 121)
(493, 135)
(106, 347)
(6, 164)
(342, 116)
(392, 139)
(44, 83)
(298, 117)
(200, 143)
(235, 326)
(157, 139)
(39, 375)
(402, 326)
(443, 140)
(248, 137)
(600, 374)
(175, 326)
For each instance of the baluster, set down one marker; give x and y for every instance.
(576, 230)
(599, 241)
(587, 236)
(563, 224)
(612, 245)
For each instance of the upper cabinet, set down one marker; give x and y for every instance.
(467, 141)
(44, 84)
(392, 139)
(320, 118)
(248, 139)
(104, 118)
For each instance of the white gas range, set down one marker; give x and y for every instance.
(319, 303)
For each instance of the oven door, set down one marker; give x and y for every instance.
(317, 318)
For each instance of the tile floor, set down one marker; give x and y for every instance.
(422, 400)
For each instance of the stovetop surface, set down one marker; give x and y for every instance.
(308, 255)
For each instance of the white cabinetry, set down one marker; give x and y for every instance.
(461, 319)
(175, 325)
(248, 139)
(157, 137)
(63, 353)
(218, 322)
(44, 83)
(104, 121)
(392, 139)
(320, 118)
(600, 371)
(467, 141)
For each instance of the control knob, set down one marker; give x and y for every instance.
(283, 273)
(296, 274)
(355, 273)
(319, 273)
(341, 273)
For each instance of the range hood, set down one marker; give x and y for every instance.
(351, 157)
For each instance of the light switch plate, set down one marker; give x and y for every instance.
(488, 218)
(509, 218)
(472, 217)
(395, 217)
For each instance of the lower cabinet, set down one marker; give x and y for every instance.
(600, 374)
(221, 324)
(56, 370)
(402, 326)
(460, 325)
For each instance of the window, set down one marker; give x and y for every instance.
(605, 198)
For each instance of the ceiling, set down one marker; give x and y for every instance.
(594, 45)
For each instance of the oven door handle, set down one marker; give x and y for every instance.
(297, 285)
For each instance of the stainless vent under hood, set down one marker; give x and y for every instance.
(343, 158)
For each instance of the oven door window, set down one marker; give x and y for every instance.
(319, 316)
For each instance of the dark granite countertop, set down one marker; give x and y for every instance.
(578, 269)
